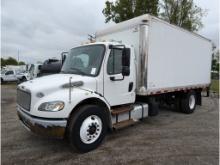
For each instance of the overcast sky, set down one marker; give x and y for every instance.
(42, 29)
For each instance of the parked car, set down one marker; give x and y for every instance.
(50, 66)
(14, 75)
(34, 70)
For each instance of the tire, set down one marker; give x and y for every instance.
(90, 122)
(153, 107)
(177, 103)
(2, 81)
(23, 79)
(188, 102)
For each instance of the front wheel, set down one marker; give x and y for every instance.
(87, 128)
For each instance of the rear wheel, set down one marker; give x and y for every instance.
(87, 128)
(188, 102)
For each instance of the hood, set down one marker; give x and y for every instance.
(53, 82)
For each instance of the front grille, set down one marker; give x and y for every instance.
(24, 99)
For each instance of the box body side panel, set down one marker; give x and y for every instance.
(168, 58)
(176, 58)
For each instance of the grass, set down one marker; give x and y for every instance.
(215, 86)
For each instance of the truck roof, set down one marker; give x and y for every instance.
(143, 19)
(106, 43)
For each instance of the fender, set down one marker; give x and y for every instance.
(97, 99)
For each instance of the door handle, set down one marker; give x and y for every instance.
(130, 87)
(118, 77)
(112, 78)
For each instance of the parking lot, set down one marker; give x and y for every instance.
(170, 138)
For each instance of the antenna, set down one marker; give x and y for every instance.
(91, 38)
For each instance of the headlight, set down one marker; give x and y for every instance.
(51, 106)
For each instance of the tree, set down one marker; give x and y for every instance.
(21, 63)
(11, 61)
(3, 62)
(122, 10)
(183, 13)
(215, 61)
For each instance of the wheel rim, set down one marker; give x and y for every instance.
(90, 129)
(192, 101)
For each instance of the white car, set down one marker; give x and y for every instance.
(34, 70)
(13, 75)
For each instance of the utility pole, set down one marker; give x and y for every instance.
(18, 55)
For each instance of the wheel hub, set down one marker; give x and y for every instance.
(192, 101)
(90, 129)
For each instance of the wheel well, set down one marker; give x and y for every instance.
(197, 93)
(168, 97)
(93, 101)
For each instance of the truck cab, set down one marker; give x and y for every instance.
(94, 79)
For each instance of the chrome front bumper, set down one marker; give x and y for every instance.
(45, 127)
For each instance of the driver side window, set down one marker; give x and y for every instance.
(114, 65)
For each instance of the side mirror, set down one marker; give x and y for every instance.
(63, 56)
(63, 59)
(126, 62)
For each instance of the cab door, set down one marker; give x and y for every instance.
(118, 89)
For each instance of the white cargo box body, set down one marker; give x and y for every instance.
(169, 58)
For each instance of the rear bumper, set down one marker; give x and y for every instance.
(45, 127)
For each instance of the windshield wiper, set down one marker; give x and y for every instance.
(65, 72)
(71, 71)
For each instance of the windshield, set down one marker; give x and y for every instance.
(31, 69)
(85, 60)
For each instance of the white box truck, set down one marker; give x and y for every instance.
(116, 81)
